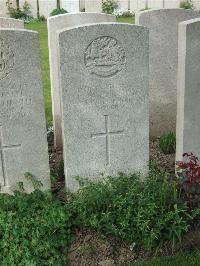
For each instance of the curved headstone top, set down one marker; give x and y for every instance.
(163, 57)
(105, 100)
(74, 16)
(11, 23)
(57, 23)
(162, 12)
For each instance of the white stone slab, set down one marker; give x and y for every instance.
(104, 81)
(54, 24)
(188, 100)
(93, 6)
(23, 140)
(163, 57)
(11, 23)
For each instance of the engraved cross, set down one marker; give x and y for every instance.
(3, 162)
(107, 134)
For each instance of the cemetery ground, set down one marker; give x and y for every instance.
(118, 222)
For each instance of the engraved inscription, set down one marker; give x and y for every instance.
(7, 59)
(107, 134)
(108, 97)
(3, 162)
(104, 57)
(15, 103)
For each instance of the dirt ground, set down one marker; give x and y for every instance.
(90, 248)
(93, 249)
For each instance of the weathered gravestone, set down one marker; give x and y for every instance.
(104, 82)
(23, 143)
(188, 100)
(11, 23)
(163, 57)
(59, 23)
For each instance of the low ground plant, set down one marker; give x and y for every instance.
(126, 14)
(186, 4)
(187, 259)
(142, 213)
(167, 143)
(58, 11)
(23, 13)
(109, 6)
(34, 229)
(188, 171)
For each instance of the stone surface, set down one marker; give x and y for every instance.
(23, 141)
(93, 6)
(54, 24)
(188, 107)
(11, 23)
(104, 81)
(163, 57)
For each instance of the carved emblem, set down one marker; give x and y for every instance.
(6, 59)
(105, 57)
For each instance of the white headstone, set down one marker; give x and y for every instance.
(136, 5)
(54, 24)
(11, 23)
(93, 6)
(122, 5)
(188, 99)
(23, 140)
(163, 57)
(104, 81)
(71, 5)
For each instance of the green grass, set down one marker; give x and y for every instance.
(192, 259)
(41, 28)
(126, 20)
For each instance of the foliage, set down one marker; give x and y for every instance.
(26, 9)
(34, 229)
(41, 18)
(143, 213)
(188, 172)
(126, 14)
(167, 143)
(109, 6)
(23, 13)
(58, 11)
(190, 259)
(186, 4)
